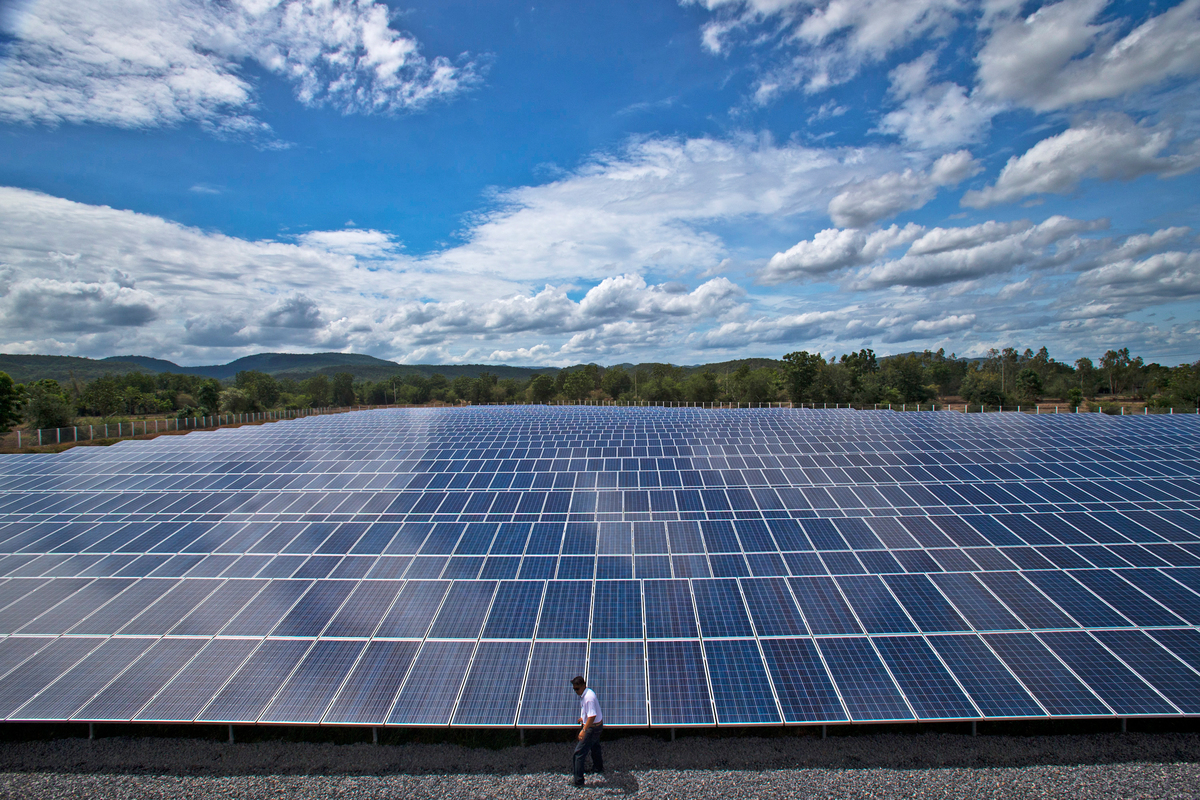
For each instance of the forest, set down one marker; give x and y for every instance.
(862, 379)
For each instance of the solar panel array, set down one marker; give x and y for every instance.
(700, 567)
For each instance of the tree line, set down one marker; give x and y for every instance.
(1003, 378)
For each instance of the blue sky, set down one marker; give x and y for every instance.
(558, 183)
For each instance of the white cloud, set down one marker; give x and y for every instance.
(1108, 148)
(937, 256)
(1061, 55)
(646, 208)
(934, 115)
(949, 255)
(355, 242)
(831, 39)
(1140, 244)
(878, 198)
(1134, 274)
(1175, 275)
(151, 63)
(784, 328)
(941, 240)
(831, 250)
(88, 279)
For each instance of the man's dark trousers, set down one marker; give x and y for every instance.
(590, 744)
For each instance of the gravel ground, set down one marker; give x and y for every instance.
(880, 766)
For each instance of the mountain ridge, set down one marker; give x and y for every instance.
(24, 368)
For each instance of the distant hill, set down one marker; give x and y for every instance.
(64, 369)
(145, 362)
(297, 366)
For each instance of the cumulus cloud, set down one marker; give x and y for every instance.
(1110, 147)
(646, 207)
(948, 255)
(829, 40)
(352, 241)
(868, 201)
(1175, 275)
(849, 323)
(151, 63)
(831, 250)
(1063, 54)
(80, 278)
(1141, 271)
(934, 115)
(937, 256)
(1140, 244)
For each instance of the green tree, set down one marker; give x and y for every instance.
(439, 387)
(616, 382)
(414, 389)
(801, 370)
(701, 387)
(906, 374)
(982, 388)
(317, 389)
(261, 388)
(578, 385)
(343, 389)
(1029, 384)
(235, 401)
(541, 388)
(860, 364)
(11, 400)
(209, 395)
(506, 389)
(103, 396)
(483, 387)
(47, 406)
(663, 384)
(1183, 385)
(1114, 363)
(461, 387)
(1085, 369)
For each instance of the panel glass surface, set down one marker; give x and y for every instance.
(457, 566)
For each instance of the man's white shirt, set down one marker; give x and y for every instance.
(589, 706)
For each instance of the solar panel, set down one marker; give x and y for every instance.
(698, 566)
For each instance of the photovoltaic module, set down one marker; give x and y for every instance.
(432, 567)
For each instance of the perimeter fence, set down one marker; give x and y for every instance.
(107, 433)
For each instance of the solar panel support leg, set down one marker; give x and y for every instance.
(974, 728)
(1123, 727)
(521, 731)
(375, 735)
(231, 734)
(672, 734)
(822, 731)
(91, 731)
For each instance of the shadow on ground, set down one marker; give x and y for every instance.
(174, 756)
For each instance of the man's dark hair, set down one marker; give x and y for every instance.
(578, 681)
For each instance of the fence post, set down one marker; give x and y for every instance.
(39, 437)
(18, 438)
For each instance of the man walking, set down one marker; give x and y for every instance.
(592, 720)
